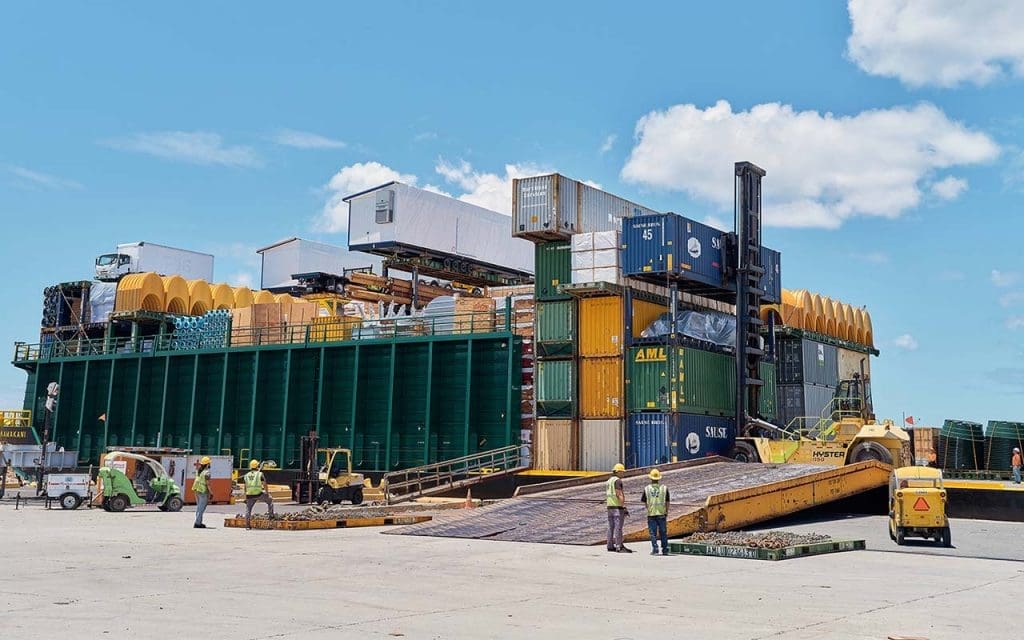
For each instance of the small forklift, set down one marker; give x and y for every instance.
(325, 475)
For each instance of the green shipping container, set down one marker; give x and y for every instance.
(556, 328)
(395, 403)
(552, 267)
(556, 388)
(686, 380)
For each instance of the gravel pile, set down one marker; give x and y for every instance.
(759, 539)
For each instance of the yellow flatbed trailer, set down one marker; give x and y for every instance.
(713, 494)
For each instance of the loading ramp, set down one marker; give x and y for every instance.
(458, 473)
(712, 494)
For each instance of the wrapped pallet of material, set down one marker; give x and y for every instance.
(101, 301)
(473, 315)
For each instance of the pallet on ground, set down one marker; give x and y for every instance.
(756, 553)
(306, 525)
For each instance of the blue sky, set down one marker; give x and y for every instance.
(891, 136)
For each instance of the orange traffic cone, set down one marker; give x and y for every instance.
(469, 499)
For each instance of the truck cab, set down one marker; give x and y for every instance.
(111, 267)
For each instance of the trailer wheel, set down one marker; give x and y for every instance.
(173, 504)
(865, 451)
(357, 496)
(70, 501)
(118, 503)
(744, 452)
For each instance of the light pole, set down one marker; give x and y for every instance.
(52, 391)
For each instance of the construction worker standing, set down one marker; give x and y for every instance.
(256, 491)
(615, 499)
(656, 498)
(1015, 461)
(201, 487)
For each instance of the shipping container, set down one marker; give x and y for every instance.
(553, 207)
(853, 362)
(282, 260)
(552, 267)
(602, 327)
(555, 444)
(662, 378)
(661, 438)
(601, 444)
(801, 405)
(397, 219)
(601, 387)
(663, 245)
(395, 403)
(556, 388)
(556, 328)
(805, 361)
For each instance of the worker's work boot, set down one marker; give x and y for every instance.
(655, 552)
(664, 552)
(199, 526)
(624, 549)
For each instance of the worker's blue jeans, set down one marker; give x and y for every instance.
(202, 499)
(1016, 475)
(657, 526)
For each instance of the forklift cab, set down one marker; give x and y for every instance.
(336, 462)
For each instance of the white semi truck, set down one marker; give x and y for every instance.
(140, 257)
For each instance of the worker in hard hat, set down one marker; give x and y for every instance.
(201, 487)
(1015, 463)
(256, 491)
(615, 498)
(656, 498)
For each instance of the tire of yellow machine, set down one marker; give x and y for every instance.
(743, 451)
(899, 536)
(866, 451)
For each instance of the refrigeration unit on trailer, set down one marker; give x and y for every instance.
(438, 233)
(142, 257)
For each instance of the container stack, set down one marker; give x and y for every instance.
(808, 374)
(523, 315)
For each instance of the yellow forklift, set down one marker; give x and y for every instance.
(325, 475)
(846, 434)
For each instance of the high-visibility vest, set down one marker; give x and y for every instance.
(253, 483)
(200, 485)
(611, 496)
(656, 494)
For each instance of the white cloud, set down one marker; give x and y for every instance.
(608, 143)
(1004, 278)
(306, 140)
(905, 342)
(196, 147)
(949, 188)
(353, 179)
(1015, 322)
(40, 180)
(487, 190)
(822, 169)
(937, 42)
(718, 223)
(1011, 299)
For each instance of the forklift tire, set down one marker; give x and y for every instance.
(744, 452)
(117, 503)
(324, 495)
(865, 451)
(357, 496)
(892, 536)
(900, 538)
(947, 537)
(173, 504)
(70, 501)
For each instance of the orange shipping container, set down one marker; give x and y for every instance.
(602, 326)
(601, 388)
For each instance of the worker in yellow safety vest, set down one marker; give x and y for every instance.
(615, 498)
(201, 487)
(656, 498)
(256, 491)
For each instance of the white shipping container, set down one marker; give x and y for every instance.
(282, 260)
(396, 218)
(601, 443)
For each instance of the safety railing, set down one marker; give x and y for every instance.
(822, 427)
(414, 482)
(320, 330)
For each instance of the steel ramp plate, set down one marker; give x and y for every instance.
(577, 514)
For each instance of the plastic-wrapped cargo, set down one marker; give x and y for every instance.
(283, 259)
(709, 326)
(101, 301)
(397, 219)
(553, 207)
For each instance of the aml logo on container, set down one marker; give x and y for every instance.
(650, 354)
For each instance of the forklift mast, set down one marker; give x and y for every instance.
(745, 258)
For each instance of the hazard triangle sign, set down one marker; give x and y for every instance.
(921, 505)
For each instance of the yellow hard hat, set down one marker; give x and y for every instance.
(254, 464)
(618, 467)
(654, 474)
(204, 460)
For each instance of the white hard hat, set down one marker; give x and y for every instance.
(1016, 450)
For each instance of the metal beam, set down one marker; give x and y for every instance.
(192, 402)
(110, 400)
(223, 402)
(320, 389)
(510, 381)
(355, 402)
(252, 412)
(284, 405)
(163, 401)
(56, 412)
(469, 395)
(81, 410)
(391, 408)
(429, 403)
(135, 408)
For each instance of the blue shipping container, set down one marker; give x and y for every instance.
(660, 438)
(669, 244)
